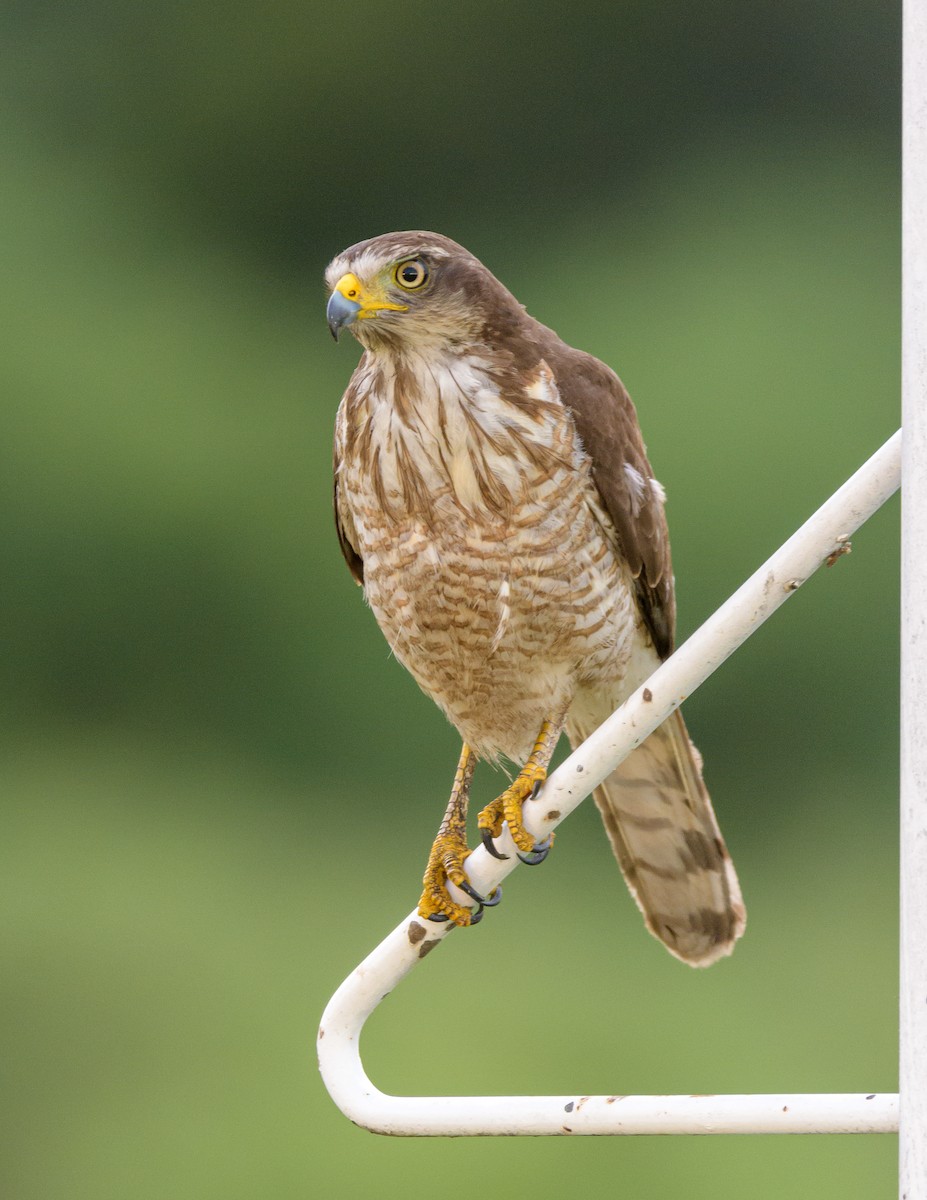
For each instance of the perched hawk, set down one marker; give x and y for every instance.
(494, 498)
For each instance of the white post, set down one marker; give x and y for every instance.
(913, 1049)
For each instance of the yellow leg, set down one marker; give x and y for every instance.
(450, 849)
(507, 807)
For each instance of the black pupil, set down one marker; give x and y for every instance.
(412, 273)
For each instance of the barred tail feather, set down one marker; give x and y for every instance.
(663, 830)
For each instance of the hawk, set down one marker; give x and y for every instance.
(494, 499)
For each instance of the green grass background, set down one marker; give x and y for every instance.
(217, 790)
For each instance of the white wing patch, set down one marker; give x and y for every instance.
(543, 386)
(636, 487)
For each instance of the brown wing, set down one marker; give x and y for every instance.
(607, 424)
(342, 523)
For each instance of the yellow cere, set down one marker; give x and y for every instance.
(352, 289)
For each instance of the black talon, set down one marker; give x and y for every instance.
(486, 835)
(538, 854)
(493, 900)
(471, 892)
(489, 902)
(484, 902)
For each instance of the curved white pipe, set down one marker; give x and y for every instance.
(821, 539)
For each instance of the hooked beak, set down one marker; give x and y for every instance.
(340, 312)
(350, 301)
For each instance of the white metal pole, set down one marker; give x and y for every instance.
(913, 1045)
(822, 538)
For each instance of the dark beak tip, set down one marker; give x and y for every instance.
(340, 312)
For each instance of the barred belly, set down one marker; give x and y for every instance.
(501, 629)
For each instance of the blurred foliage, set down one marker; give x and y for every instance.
(218, 790)
(300, 125)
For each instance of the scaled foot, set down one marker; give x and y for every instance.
(508, 808)
(445, 864)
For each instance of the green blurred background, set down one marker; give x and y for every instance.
(217, 790)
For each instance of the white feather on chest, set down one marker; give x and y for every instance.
(471, 451)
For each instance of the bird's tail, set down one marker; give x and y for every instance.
(663, 830)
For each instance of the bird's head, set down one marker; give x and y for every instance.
(408, 289)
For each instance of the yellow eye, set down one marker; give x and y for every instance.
(411, 274)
